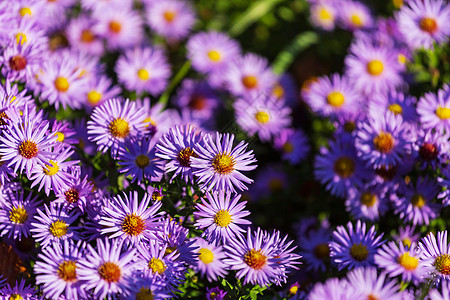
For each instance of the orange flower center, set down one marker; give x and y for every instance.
(28, 149)
(109, 272)
(255, 259)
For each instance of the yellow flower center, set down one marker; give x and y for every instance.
(21, 38)
(28, 149)
(206, 256)
(67, 270)
(87, 36)
(223, 163)
(18, 215)
(58, 228)
(375, 67)
(356, 20)
(325, 15)
(383, 142)
(262, 117)
(250, 81)
(293, 290)
(184, 157)
(94, 97)
(214, 55)
(156, 196)
(406, 242)
(321, 251)
(335, 99)
(418, 200)
(15, 297)
(115, 26)
(368, 199)
(25, 11)
(428, 25)
(442, 264)
(278, 91)
(408, 262)
(443, 113)
(401, 59)
(142, 161)
(109, 272)
(223, 218)
(396, 109)
(51, 169)
(61, 84)
(344, 166)
(255, 259)
(143, 74)
(397, 3)
(119, 128)
(169, 15)
(157, 265)
(60, 136)
(359, 252)
(149, 120)
(133, 225)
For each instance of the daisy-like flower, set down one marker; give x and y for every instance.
(249, 75)
(107, 269)
(82, 37)
(99, 90)
(143, 70)
(253, 257)
(138, 159)
(373, 69)
(261, 115)
(323, 14)
(114, 122)
(211, 51)
(219, 165)
(269, 181)
(210, 260)
(171, 19)
(431, 148)
(383, 140)
(423, 22)
(315, 250)
(398, 259)
(16, 215)
(26, 143)
(368, 202)
(354, 15)
(354, 247)
(416, 205)
(54, 175)
(434, 110)
(333, 96)
(18, 291)
(56, 269)
(215, 293)
(369, 285)
(338, 168)
(130, 218)
(436, 254)
(221, 216)
(177, 147)
(78, 193)
(121, 28)
(54, 225)
(397, 103)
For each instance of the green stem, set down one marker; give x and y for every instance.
(174, 83)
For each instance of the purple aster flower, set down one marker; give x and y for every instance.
(383, 140)
(28, 31)
(54, 175)
(177, 147)
(121, 28)
(373, 69)
(261, 115)
(221, 216)
(171, 19)
(106, 270)
(249, 75)
(323, 14)
(253, 257)
(82, 38)
(338, 168)
(333, 96)
(434, 110)
(354, 247)
(354, 15)
(215, 293)
(210, 260)
(423, 22)
(270, 180)
(143, 70)
(431, 148)
(114, 122)
(369, 285)
(436, 254)
(315, 250)
(416, 203)
(78, 193)
(18, 291)
(16, 215)
(398, 259)
(211, 51)
(130, 219)
(219, 165)
(56, 269)
(397, 103)
(407, 236)
(333, 289)
(369, 202)
(26, 143)
(98, 90)
(138, 160)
